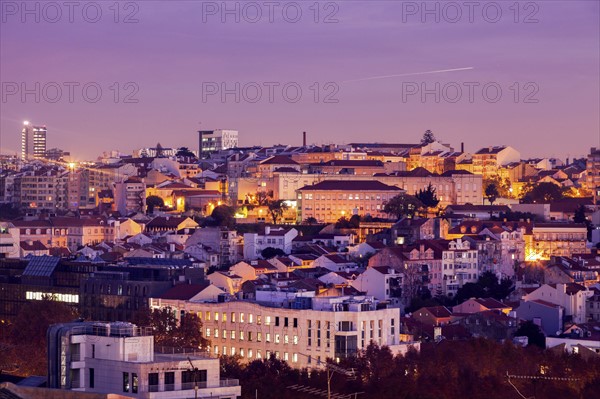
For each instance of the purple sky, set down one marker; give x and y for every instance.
(171, 51)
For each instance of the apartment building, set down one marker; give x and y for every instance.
(120, 358)
(559, 239)
(488, 160)
(269, 236)
(296, 327)
(330, 200)
(592, 167)
(130, 196)
(42, 189)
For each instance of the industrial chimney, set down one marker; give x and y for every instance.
(304, 139)
(462, 147)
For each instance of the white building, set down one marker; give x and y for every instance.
(274, 237)
(130, 196)
(296, 327)
(571, 297)
(217, 140)
(379, 281)
(119, 358)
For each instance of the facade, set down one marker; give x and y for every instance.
(298, 328)
(593, 173)
(572, 297)
(33, 141)
(274, 237)
(487, 161)
(459, 266)
(330, 200)
(130, 196)
(216, 140)
(559, 239)
(43, 189)
(120, 358)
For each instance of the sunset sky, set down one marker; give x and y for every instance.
(174, 50)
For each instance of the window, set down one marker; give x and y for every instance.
(285, 322)
(241, 317)
(125, 382)
(91, 378)
(268, 320)
(295, 322)
(259, 336)
(276, 321)
(153, 382)
(268, 337)
(134, 383)
(276, 338)
(233, 317)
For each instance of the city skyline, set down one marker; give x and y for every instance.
(376, 69)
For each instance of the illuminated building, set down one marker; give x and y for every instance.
(33, 141)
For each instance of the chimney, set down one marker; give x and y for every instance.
(462, 147)
(267, 230)
(304, 139)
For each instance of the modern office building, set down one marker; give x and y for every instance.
(33, 141)
(120, 358)
(216, 140)
(593, 173)
(297, 327)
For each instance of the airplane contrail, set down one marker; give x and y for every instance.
(409, 74)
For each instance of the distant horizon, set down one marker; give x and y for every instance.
(347, 72)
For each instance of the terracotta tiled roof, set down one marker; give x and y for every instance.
(350, 185)
(184, 292)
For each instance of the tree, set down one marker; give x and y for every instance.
(428, 197)
(428, 137)
(270, 252)
(276, 209)
(184, 152)
(491, 192)
(168, 332)
(402, 205)
(533, 333)
(580, 217)
(27, 334)
(223, 215)
(544, 193)
(152, 202)
(310, 220)
(345, 223)
(262, 198)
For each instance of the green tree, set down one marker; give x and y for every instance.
(310, 221)
(580, 217)
(27, 334)
(168, 332)
(491, 193)
(223, 215)
(403, 205)
(544, 193)
(428, 197)
(270, 252)
(533, 333)
(427, 138)
(276, 209)
(153, 201)
(184, 152)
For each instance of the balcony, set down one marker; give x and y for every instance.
(229, 382)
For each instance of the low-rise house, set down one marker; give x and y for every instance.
(433, 315)
(490, 324)
(384, 283)
(270, 236)
(476, 305)
(335, 262)
(253, 269)
(34, 248)
(548, 316)
(226, 281)
(572, 297)
(567, 270)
